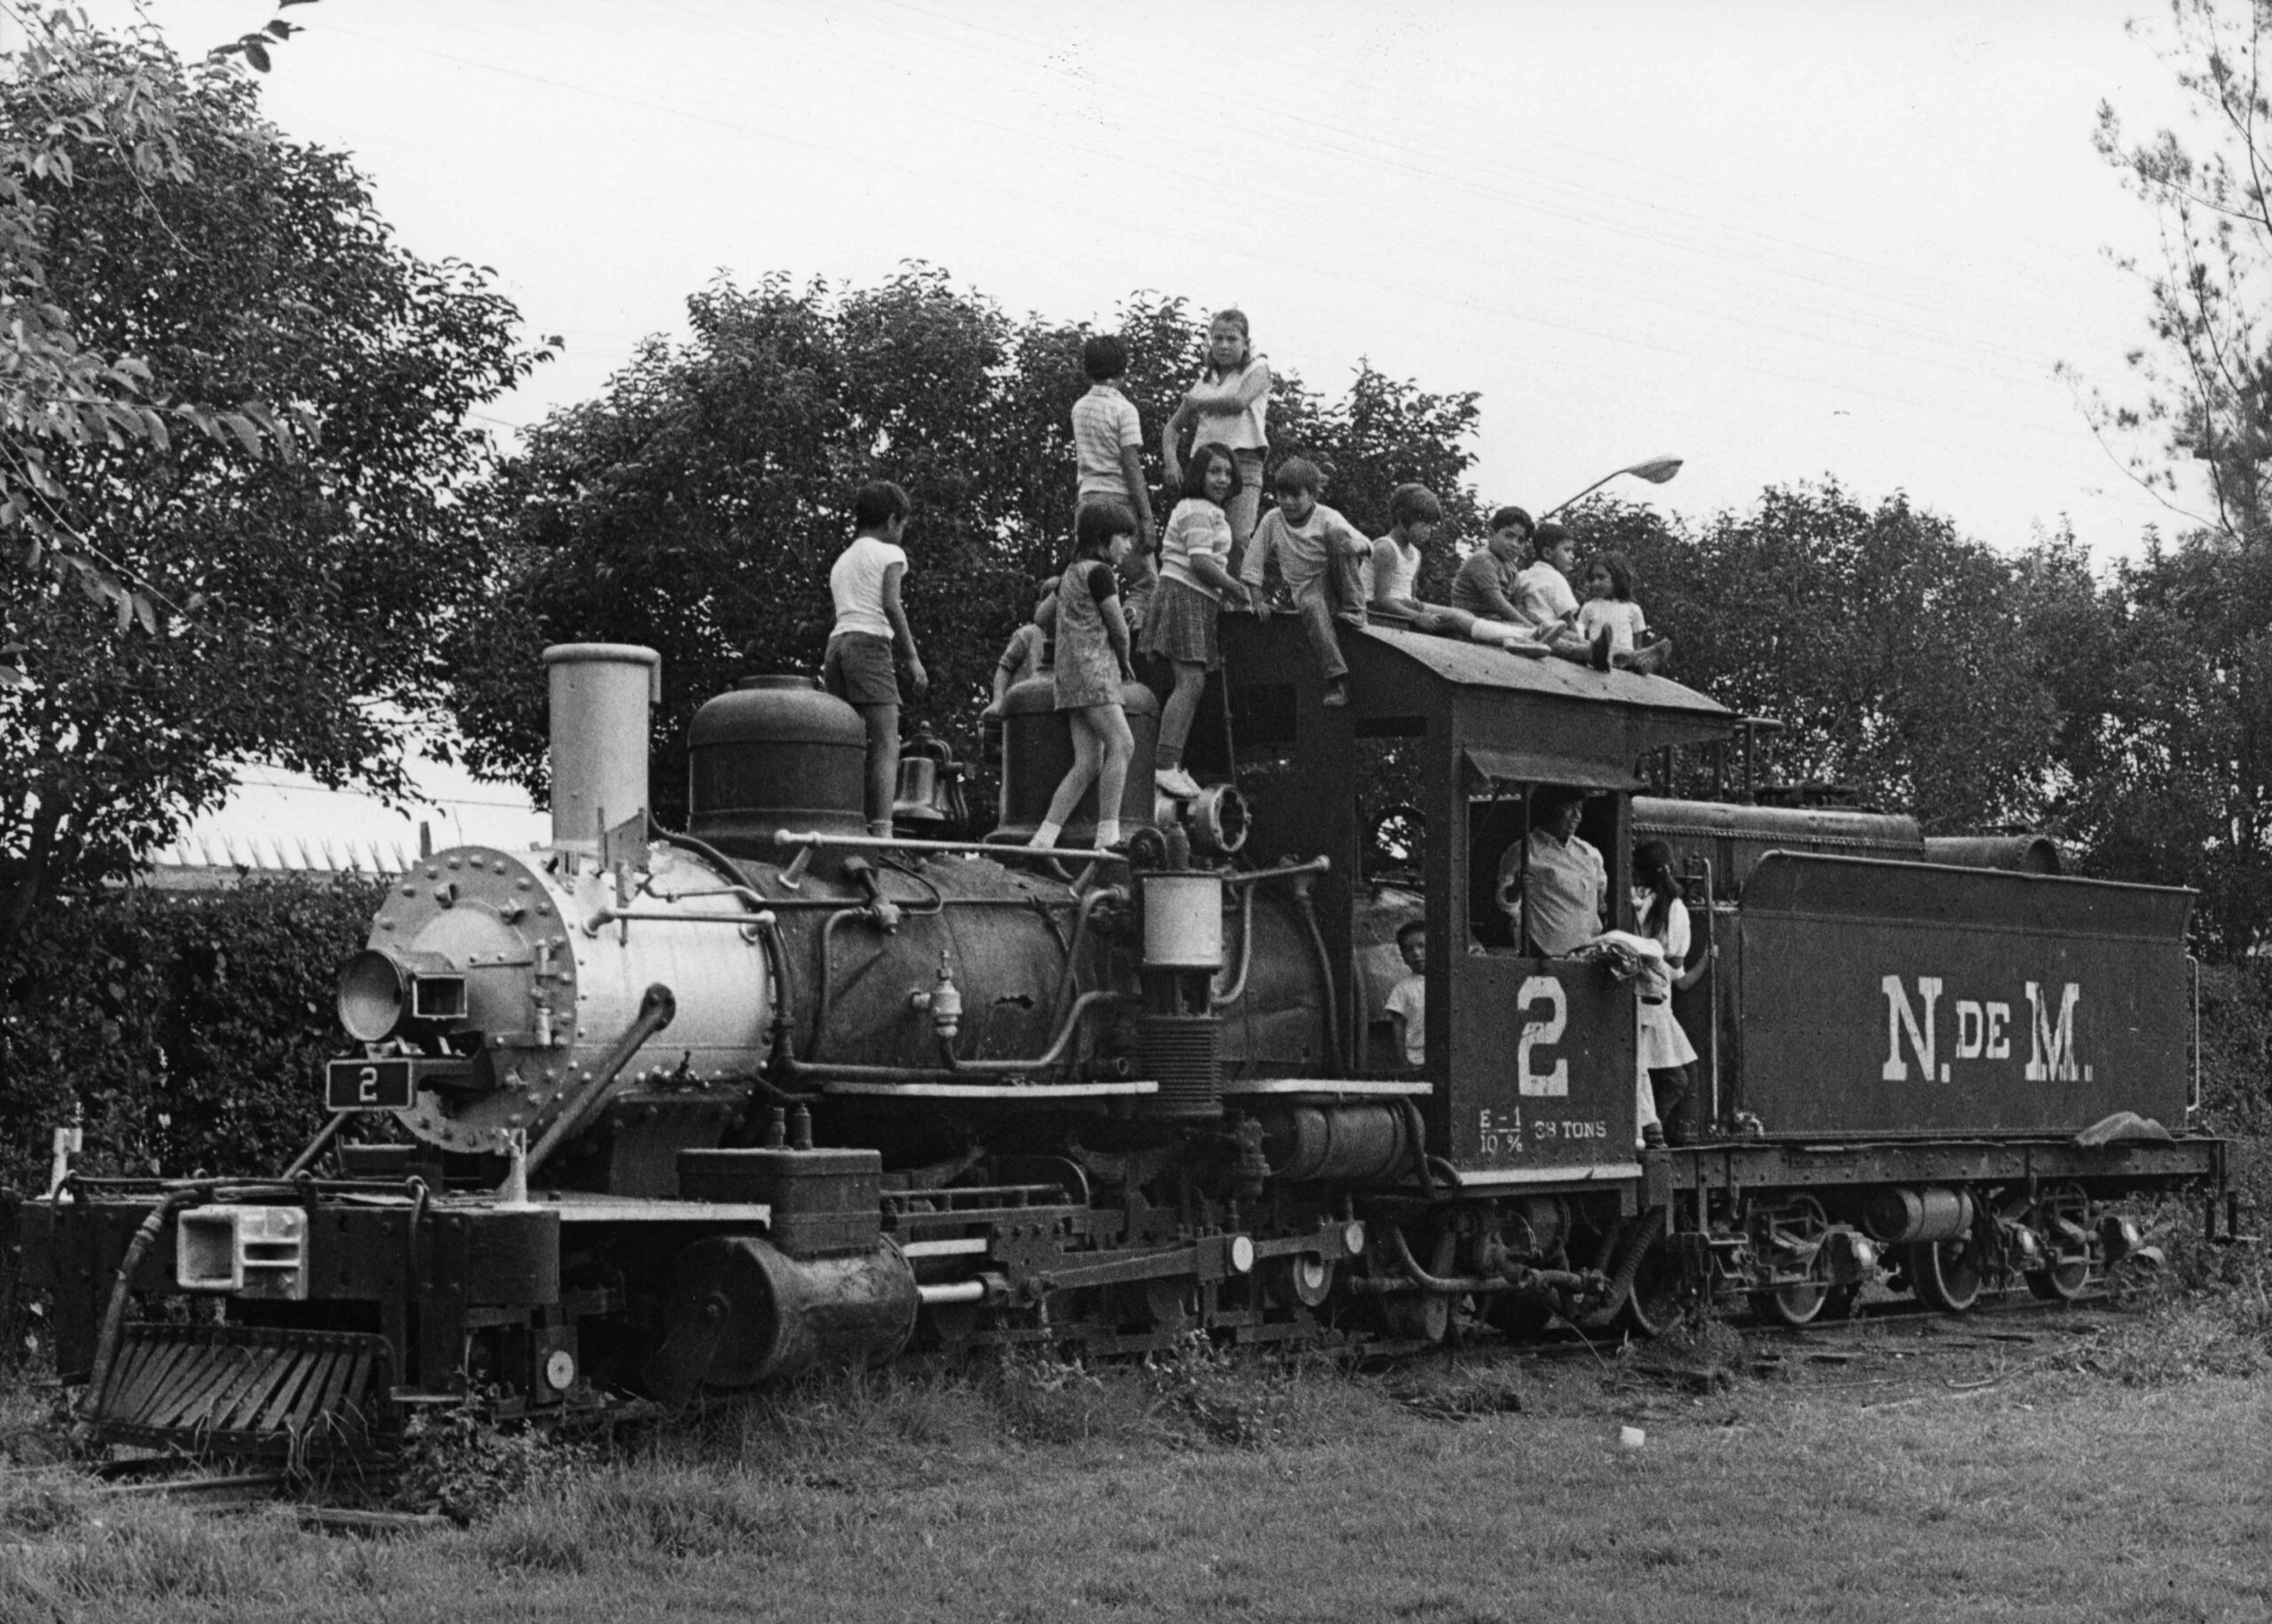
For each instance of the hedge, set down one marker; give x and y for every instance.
(189, 1028)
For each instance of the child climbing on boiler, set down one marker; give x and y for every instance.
(1320, 554)
(1027, 653)
(1195, 575)
(1092, 665)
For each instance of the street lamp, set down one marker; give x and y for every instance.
(1656, 470)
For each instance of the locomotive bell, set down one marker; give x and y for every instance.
(930, 782)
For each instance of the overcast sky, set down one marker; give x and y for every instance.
(1782, 240)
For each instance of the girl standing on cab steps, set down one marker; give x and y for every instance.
(1665, 1052)
(1194, 557)
(1229, 406)
(1092, 663)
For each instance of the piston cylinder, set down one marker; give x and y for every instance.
(1350, 1142)
(601, 693)
(1897, 1214)
(739, 1312)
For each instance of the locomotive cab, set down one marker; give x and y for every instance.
(1531, 1056)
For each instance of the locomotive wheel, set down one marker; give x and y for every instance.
(1801, 1302)
(1423, 1316)
(2065, 1208)
(2062, 1282)
(1652, 1307)
(1944, 1274)
(1793, 1306)
(1653, 1304)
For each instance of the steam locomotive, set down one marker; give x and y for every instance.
(694, 1112)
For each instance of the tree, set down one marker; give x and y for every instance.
(2177, 785)
(2206, 379)
(1894, 652)
(697, 506)
(289, 607)
(2161, 685)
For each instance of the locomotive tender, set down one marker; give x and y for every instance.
(694, 1112)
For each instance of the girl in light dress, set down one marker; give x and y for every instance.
(1615, 630)
(1195, 577)
(1665, 1052)
(1091, 649)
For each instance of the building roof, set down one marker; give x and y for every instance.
(280, 822)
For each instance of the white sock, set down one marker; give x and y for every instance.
(1046, 835)
(1107, 832)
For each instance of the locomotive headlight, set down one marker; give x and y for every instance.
(374, 991)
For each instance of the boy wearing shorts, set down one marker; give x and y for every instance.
(871, 630)
(1109, 452)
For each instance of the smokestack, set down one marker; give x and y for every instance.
(601, 694)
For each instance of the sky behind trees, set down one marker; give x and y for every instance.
(1780, 241)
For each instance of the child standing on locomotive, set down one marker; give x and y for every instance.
(1665, 1052)
(1319, 552)
(1109, 454)
(1194, 573)
(1229, 406)
(1092, 665)
(870, 628)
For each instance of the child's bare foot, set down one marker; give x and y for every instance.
(1337, 693)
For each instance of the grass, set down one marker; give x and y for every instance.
(2113, 1467)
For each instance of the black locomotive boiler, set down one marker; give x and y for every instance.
(687, 1112)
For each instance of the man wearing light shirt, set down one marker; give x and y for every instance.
(1560, 879)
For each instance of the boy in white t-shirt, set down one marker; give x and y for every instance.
(1543, 594)
(870, 628)
(1408, 1000)
(1109, 454)
(1391, 575)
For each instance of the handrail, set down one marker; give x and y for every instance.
(1048, 1057)
(812, 839)
(657, 1009)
